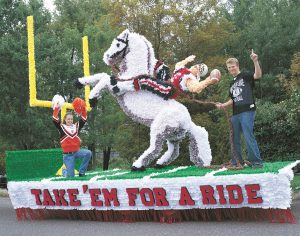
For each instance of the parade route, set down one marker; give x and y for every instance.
(11, 227)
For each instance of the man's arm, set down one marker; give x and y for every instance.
(194, 86)
(225, 104)
(257, 69)
(182, 63)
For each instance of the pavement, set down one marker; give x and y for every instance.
(9, 226)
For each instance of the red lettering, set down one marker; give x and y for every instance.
(207, 192)
(235, 188)
(149, 192)
(110, 196)
(85, 188)
(37, 193)
(220, 190)
(160, 197)
(132, 192)
(47, 201)
(185, 198)
(59, 197)
(251, 190)
(73, 197)
(94, 197)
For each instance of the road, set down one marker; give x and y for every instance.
(10, 226)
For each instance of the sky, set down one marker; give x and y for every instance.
(49, 4)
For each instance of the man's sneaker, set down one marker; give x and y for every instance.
(234, 167)
(81, 175)
(159, 166)
(254, 166)
(247, 163)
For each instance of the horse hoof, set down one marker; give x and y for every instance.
(159, 166)
(113, 80)
(78, 85)
(116, 89)
(93, 102)
(142, 168)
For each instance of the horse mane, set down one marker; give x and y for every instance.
(140, 59)
(151, 55)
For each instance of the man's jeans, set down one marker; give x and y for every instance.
(244, 122)
(69, 160)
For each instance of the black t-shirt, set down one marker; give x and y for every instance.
(241, 93)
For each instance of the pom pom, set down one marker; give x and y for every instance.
(215, 74)
(57, 101)
(78, 105)
(203, 69)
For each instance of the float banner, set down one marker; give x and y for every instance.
(267, 190)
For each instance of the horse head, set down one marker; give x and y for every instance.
(133, 53)
(118, 49)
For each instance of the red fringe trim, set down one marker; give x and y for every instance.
(162, 216)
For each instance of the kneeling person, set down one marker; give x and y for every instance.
(70, 141)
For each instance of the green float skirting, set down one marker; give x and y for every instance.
(29, 164)
(35, 165)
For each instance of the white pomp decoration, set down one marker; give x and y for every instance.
(169, 120)
(57, 101)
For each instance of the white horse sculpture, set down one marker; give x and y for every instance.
(168, 119)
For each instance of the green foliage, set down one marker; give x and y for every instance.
(2, 164)
(132, 141)
(269, 28)
(271, 88)
(20, 125)
(295, 184)
(3, 147)
(104, 122)
(277, 128)
(176, 30)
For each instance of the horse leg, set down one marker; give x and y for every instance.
(170, 155)
(104, 82)
(156, 143)
(200, 152)
(91, 80)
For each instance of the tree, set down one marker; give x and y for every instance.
(295, 70)
(176, 29)
(20, 125)
(277, 128)
(104, 132)
(268, 28)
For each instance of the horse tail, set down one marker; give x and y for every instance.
(200, 152)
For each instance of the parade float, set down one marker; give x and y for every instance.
(165, 193)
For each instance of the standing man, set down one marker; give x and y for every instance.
(243, 103)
